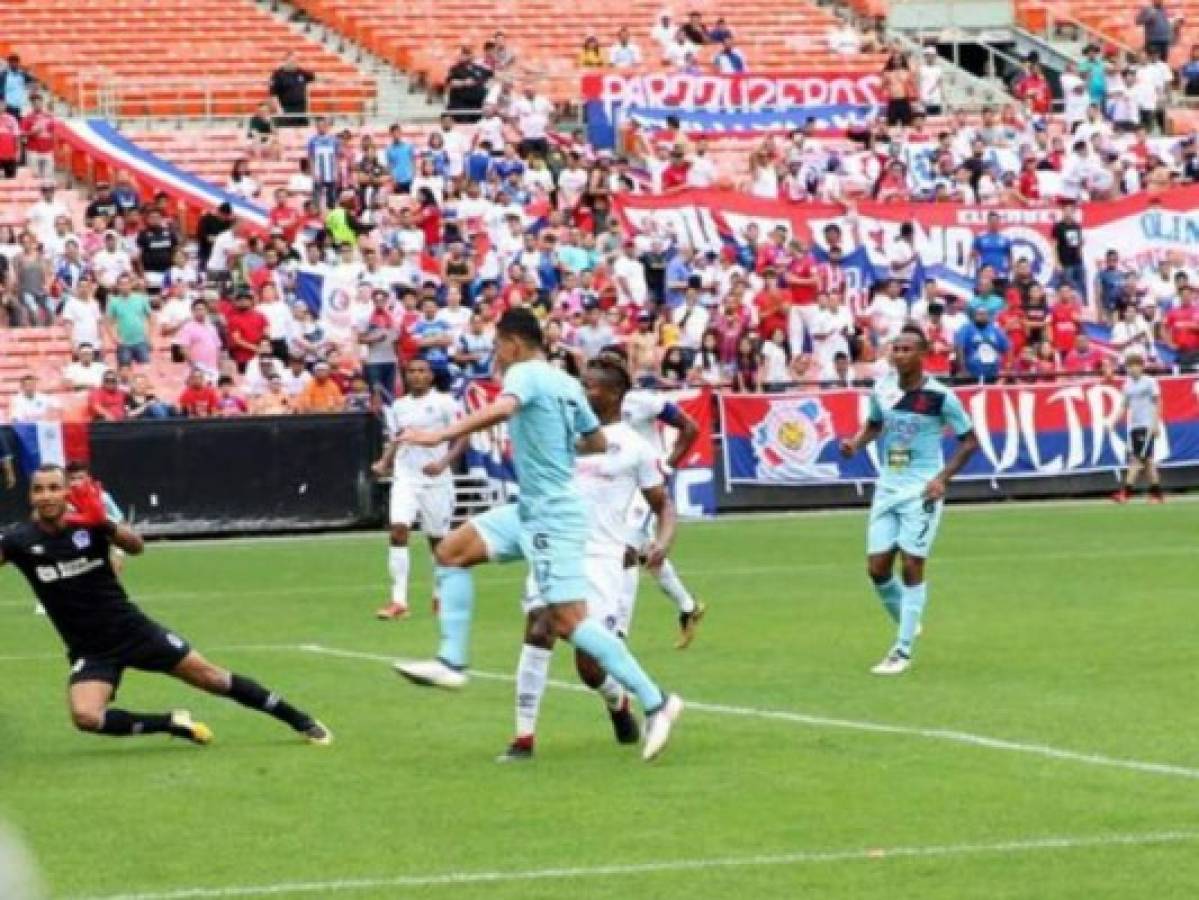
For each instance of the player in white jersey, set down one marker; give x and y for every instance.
(1142, 404)
(422, 480)
(608, 483)
(642, 410)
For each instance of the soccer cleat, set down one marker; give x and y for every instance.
(1120, 496)
(433, 673)
(318, 734)
(392, 611)
(520, 750)
(894, 663)
(182, 726)
(624, 724)
(658, 727)
(688, 623)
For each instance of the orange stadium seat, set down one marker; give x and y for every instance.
(170, 57)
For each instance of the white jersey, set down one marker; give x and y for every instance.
(640, 411)
(433, 411)
(609, 482)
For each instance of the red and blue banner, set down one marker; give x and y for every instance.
(1024, 431)
(720, 104)
(51, 443)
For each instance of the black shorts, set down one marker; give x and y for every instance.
(1140, 444)
(158, 651)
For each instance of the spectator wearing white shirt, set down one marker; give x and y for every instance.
(624, 54)
(629, 274)
(454, 314)
(1133, 335)
(930, 80)
(241, 182)
(664, 32)
(82, 314)
(692, 318)
(86, 372)
(30, 405)
(677, 53)
(829, 328)
(45, 212)
(888, 312)
(533, 113)
(702, 171)
(845, 40)
(111, 262)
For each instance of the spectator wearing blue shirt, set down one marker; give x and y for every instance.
(475, 349)
(1113, 286)
(433, 338)
(678, 276)
(986, 295)
(478, 162)
(401, 161)
(15, 83)
(323, 151)
(1189, 73)
(509, 164)
(981, 346)
(993, 248)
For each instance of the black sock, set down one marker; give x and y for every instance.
(119, 723)
(249, 692)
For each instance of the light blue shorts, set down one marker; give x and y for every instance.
(555, 554)
(903, 521)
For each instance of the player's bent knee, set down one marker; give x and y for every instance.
(566, 617)
(539, 629)
(399, 535)
(86, 718)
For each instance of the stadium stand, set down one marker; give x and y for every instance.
(170, 58)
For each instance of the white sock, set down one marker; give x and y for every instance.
(612, 693)
(668, 580)
(397, 565)
(531, 674)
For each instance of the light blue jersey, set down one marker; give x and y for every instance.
(913, 423)
(548, 525)
(553, 414)
(910, 456)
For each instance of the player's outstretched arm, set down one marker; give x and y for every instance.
(489, 416)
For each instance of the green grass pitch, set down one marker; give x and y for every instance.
(1044, 746)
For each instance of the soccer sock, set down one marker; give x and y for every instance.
(668, 580)
(397, 565)
(531, 674)
(119, 723)
(890, 592)
(456, 588)
(914, 598)
(612, 693)
(250, 693)
(614, 657)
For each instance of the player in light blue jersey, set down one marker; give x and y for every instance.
(548, 419)
(909, 412)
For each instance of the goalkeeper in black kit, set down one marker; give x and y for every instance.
(63, 552)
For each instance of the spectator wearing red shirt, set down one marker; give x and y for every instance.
(1083, 359)
(428, 218)
(939, 358)
(1011, 320)
(773, 304)
(800, 276)
(37, 129)
(1182, 330)
(1028, 186)
(107, 402)
(1033, 88)
(245, 329)
(10, 143)
(674, 177)
(285, 217)
(199, 400)
(773, 254)
(1065, 321)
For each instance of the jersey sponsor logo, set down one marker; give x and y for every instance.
(37, 550)
(81, 539)
(790, 440)
(72, 568)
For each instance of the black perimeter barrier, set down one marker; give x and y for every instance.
(182, 477)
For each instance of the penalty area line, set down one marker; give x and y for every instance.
(814, 857)
(946, 735)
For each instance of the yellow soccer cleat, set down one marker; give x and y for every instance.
(688, 624)
(183, 726)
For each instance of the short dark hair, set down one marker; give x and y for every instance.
(224, 380)
(75, 468)
(613, 370)
(917, 332)
(520, 324)
(49, 469)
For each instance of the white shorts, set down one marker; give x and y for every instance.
(606, 602)
(642, 522)
(431, 504)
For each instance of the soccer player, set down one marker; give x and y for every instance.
(642, 410)
(63, 552)
(608, 483)
(547, 416)
(908, 414)
(1142, 404)
(422, 484)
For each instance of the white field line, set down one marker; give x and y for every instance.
(516, 574)
(934, 734)
(811, 857)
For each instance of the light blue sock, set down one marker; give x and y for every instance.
(456, 588)
(914, 598)
(614, 657)
(890, 592)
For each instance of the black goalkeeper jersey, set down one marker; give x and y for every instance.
(71, 575)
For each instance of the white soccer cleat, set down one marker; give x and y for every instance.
(658, 726)
(894, 663)
(433, 673)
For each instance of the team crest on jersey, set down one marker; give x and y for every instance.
(789, 441)
(81, 539)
